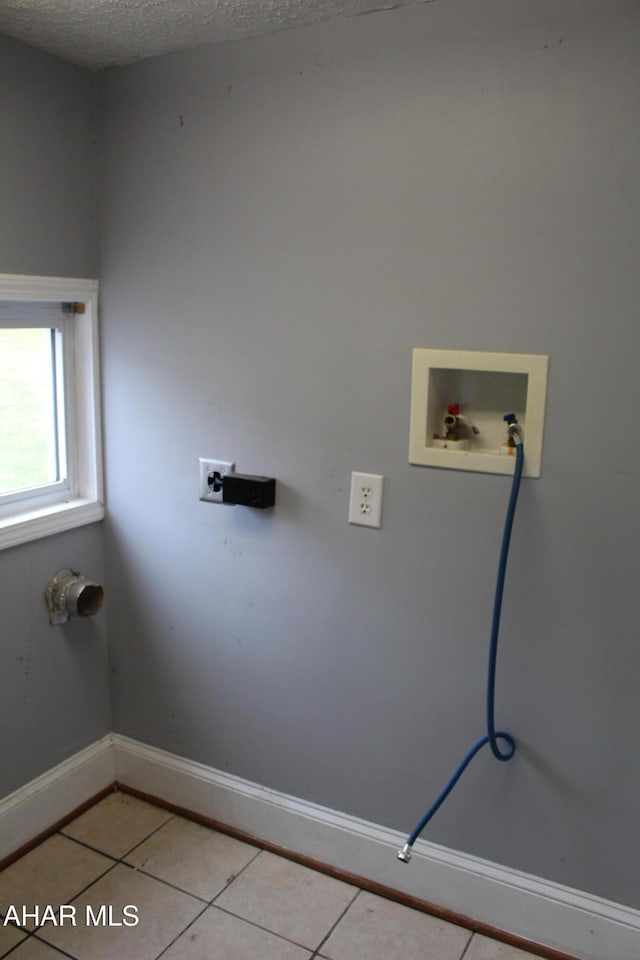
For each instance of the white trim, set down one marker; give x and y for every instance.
(35, 807)
(49, 520)
(429, 404)
(562, 918)
(85, 504)
(25, 287)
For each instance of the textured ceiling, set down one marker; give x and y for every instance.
(102, 33)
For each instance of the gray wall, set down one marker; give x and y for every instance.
(283, 219)
(54, 695)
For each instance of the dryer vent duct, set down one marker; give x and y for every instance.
(70, 594)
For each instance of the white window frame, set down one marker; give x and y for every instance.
(36, 516)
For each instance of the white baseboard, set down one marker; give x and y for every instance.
(542, 912)
(559, 917)
(34, 808)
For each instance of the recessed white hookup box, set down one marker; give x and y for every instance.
(474, 391)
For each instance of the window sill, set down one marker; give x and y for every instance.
(47, 521)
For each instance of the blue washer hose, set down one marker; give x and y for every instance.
(492, 736)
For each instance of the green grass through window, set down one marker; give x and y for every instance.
(27, 409)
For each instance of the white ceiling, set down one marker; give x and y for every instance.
(102, 33)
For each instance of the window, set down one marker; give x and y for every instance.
(50, 456)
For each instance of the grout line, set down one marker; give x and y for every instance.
(95, 880)
(182, 932)
(466, 949)
(270, 931)
(16, 945)
(173, 886)
(258, 926)
(235, 877)
(148, 836)
(63, 953)
(152, 876)
(115, 861)
(56, 827)
(339, 920)
(165, 883)
(129, 850)
(72, 898)
(32, 935)
(122, 862)
(212, 905)
(87, 846)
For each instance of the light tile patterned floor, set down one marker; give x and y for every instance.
(200, 895)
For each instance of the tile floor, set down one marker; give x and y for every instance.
(141, 883)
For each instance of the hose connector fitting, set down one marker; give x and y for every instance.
(405, 853)
(514, 430)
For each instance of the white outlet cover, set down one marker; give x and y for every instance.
(365, 501)
(208, 466)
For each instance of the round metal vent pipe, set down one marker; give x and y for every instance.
(70, 594)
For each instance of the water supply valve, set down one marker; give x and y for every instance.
(457, 430)
(451, 421)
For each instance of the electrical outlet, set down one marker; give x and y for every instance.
(365, 502)
(212, 473)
